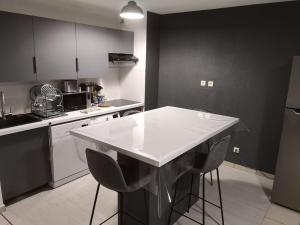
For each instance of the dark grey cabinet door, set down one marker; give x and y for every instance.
(94, 44)
(92, 51)
(24, 162)
(16, 48)
(55, 47)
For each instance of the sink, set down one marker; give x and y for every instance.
(17, 120)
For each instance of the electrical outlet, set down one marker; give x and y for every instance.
(203, 83)
(210, 83)
(236, 150)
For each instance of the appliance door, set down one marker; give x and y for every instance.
(293, 99)
(102, 148)
(66, 159)
(75, 101)
(287, 183)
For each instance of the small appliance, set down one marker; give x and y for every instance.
(70, 86)
(76, 101)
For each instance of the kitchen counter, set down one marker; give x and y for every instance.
(157, 136)
(75, 115)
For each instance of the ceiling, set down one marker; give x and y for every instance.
(175, 6)
(92, 11)
(157, 6)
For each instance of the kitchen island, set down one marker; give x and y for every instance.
(156, 138)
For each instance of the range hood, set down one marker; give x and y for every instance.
(122, 58)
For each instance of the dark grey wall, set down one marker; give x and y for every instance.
(247, 52)
(152, 60)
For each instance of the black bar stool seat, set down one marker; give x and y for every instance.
(205, 163)
(114, 176)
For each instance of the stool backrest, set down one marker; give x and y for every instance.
(106, 170)
(217, 154)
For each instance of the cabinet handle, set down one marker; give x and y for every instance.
(77, 64)
(34, 64)
(84, 125)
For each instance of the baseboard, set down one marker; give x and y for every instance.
(69, 179)
(2, 208)
(250, 170)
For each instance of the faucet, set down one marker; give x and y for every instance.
(2, 101)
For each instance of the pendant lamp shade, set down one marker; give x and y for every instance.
(132, 11)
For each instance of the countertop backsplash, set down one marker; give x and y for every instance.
(18, 98)
(17, 95)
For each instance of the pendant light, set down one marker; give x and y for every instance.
(132, 11)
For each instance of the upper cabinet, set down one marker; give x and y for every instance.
(16, 48)
(34, 48)
(55, 49)
(92, 51)
(94, 44)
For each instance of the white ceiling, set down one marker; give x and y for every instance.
(174, 6)
(157, 6)
(92, 11)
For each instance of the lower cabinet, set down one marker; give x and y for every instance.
(24, 162)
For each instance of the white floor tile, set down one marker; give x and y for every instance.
(283, 215)
(3, 221)
(270, 222)
(245, 197)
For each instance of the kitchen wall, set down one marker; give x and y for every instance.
(124, 83)
(247, 52)
(132, 80)
(1, 200)
(152, 61)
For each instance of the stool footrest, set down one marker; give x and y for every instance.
(174, 210)
(125, 213)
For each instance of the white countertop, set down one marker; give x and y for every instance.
(68, 117)
(157, 136)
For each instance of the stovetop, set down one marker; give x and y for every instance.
(121, 102)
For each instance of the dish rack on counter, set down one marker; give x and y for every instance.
(47, 101)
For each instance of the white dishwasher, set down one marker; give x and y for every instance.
(67, 153)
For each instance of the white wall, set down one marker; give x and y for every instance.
(132, 80)
(1, 201)
(128, 83)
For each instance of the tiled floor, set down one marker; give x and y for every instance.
(245, 196)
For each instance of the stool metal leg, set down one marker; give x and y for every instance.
(146, 207)
(190, 193)
(95, 202)
(203, 199)
(208, 149)
(173, 203)
(220, 196)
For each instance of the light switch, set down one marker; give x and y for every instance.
(203, 83)
(210, 83)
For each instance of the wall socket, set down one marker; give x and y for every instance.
(210, 83)
(203, 83)
(236, 150)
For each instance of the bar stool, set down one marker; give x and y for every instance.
(205, 164)
(112, 175)
(208, 143)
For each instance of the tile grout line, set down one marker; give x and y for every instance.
(6, 219)
(249, 170)
(265, 217)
